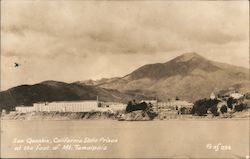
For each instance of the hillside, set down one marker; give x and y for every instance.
(59, 91)
(189, 76)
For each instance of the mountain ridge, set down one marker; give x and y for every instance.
(180, 77)
(183, 57)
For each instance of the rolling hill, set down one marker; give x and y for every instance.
(59, 91)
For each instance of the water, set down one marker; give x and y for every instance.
(148, 139)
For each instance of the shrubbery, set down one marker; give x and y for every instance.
(230, 102)
(214, 110)
(201, 106)
(183, 110)
(146, 108)
(133, 107)
(240, 107)
(151, 114)
(200, 110)
(223, 109)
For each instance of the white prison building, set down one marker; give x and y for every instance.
(25, 109)
(73, 106)
(67, 106)
(167, 106)
(114, 106)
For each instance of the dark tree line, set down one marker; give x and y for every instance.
(146, 108)
(203, 105)
(136, 106)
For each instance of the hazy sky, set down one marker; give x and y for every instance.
(72, 40)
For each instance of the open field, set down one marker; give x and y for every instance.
(171, 138)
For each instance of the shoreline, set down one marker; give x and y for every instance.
(94, 116)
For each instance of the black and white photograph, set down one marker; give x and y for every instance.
(125, 79)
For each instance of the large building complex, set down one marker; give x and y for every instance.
(95, 105)
(176, 104)
(73, 106)
(168, 106)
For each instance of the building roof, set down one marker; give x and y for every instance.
(149, 101)
(178, 103)
(181, 102)
(236, 95)
(78, 101)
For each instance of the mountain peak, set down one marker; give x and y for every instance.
(181, 65)
(188, 56)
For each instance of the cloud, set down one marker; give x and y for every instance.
(122, 27)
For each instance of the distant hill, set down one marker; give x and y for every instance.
(59, 91)
(189, 76)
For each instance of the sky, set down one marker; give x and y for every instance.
(75, 40)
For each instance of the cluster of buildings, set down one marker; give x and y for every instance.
(184, 107)
(94, 105)
(237, 97)
(73, 106)
(172, 105)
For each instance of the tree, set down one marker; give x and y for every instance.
(211, 103)
(230, 102)
(223, 109)
(151, 114)
(150, 105)
(214, 110)
(129, 105)
(240, 107)
(183, 110)
(201, 106)
(133, 107)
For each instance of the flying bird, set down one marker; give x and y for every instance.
(17, 64)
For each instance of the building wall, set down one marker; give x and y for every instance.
(168, 106)
(74, 106)
(25, 109)
(172, 105)
(115, 106)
